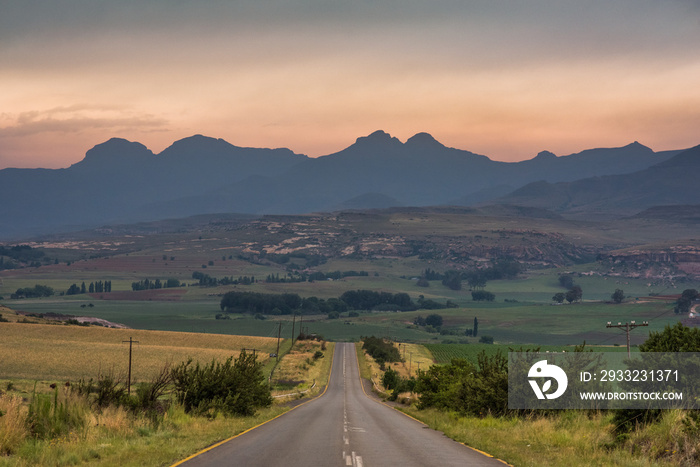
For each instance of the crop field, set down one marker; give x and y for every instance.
(59, 352)
(444, 353)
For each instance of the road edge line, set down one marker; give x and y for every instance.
(414, 418)
(216, 445)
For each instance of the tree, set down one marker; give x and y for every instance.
(423, 282)
(559, 297)
(676, 338)
(618, 296)
(482, 295)
(453, 280)
(684, 303)
(433, 320)
(574, 294)
(566, 281)
(476, 327)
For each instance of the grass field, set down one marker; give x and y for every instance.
(444, 353)
(508, 323)
(60, 353)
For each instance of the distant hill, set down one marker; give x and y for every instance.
(671, 182)
(121, 181)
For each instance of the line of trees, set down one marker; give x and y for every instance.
(477, 278)
(37, 291)
(205, 280)
(285, 304)
(94, 287)
(147, 284)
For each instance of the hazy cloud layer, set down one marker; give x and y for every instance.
(503, 78)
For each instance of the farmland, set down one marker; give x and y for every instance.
(68, 353)
(392, 248)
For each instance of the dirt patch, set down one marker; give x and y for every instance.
(54, 317)
(157, 295)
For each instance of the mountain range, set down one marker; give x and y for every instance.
(120, 181)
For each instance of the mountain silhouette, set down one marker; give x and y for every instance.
(671, 182)
(119, 181)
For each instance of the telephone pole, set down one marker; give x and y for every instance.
(279, 334)
(128, 381)
(252, 350)
(627, 327)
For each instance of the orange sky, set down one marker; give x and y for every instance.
(500, 78)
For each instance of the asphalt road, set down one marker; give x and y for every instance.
(343, 427)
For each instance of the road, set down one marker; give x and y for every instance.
(343, 427)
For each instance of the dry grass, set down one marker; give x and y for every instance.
(13, 430)
(297, 371)
(59, 352)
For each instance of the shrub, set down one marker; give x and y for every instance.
(433, 320)
(467, 388)
(391, 379)
(381, 350)
(233, 387)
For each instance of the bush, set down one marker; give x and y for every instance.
(234, 387)
(381, 350)
(433, 320)
(482, 295)
(486, 340)
(467, 388)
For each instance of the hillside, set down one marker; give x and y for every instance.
(672, 182)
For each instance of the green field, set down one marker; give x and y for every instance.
(444, 353)
(393, 247)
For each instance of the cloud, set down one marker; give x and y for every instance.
(76, 119)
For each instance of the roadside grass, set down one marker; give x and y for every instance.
(571, 438)
(301, 371)
(116, 438)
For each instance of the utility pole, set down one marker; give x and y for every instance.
(252, 350)
(294, 319)
(128, 381)
(279, 334)
(627, 327)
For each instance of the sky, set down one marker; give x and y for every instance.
(503, 78)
